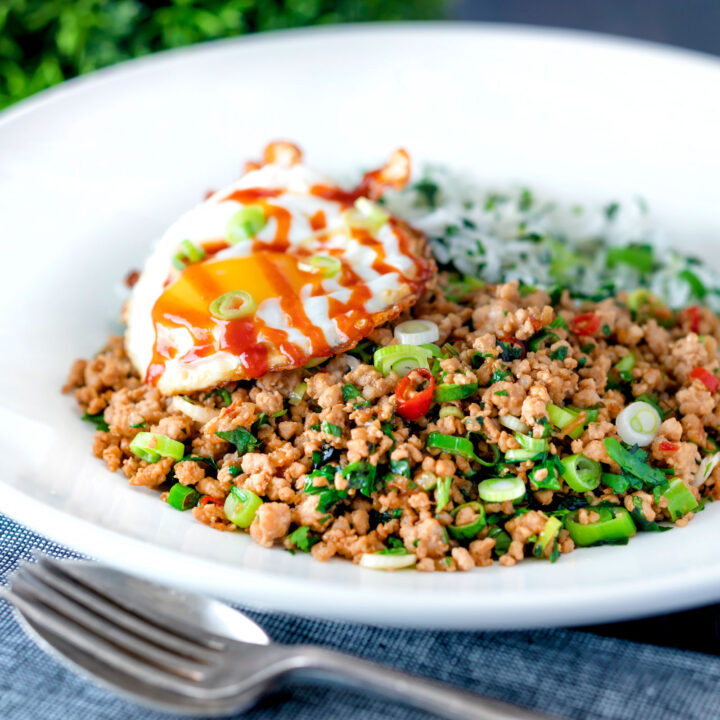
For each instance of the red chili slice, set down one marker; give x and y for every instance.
(705, 377)
(415, 407)
(512, 340)
(693, 313)
(665, 446)
(585, 324)
(206, 499)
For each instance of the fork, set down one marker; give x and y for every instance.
(172, 651)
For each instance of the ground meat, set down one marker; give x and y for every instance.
(271, 522)
(362, 478)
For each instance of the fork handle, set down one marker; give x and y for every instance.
(442, 700)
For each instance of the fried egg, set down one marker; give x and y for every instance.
(279, 269)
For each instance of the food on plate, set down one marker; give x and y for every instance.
(295, 366)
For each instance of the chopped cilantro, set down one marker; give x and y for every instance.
(559, 353)
(606, 329)
(638, 256)
(502, 393)
(559, 322)
(315, 427)
(243, 440)
(428, 191)
(509, 351)
(587, 348)
(302, 539)
(234, 470)
(140, 424)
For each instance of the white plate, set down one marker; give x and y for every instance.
(92, 171)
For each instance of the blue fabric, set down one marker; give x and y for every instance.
(566, 673)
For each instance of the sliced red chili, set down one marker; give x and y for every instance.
(666, 446)
(693, 313)
(585, 324)
(413, 408)
(207, 499)
(512, 340)
(705, 377)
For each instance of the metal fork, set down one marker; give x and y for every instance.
(173, 651)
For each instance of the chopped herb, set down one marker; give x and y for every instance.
(361, 476)
(302, 539)
(509, 351)
(525, 200)
(428, 191)
(387, 429)
(201, 459)
(324, 455)
(606, 329)
(400, 467)
(315, 427)
(499, 375)
(559, 353)
(638, 256)
(140, 424)
(349, 391)
(502, 393)
(243, 440)
(633, 463)
(99, 421)
(643, 524)
(696, 286)
(329, 429)
(611, 210)
(362, 404)
(559, 322)
(234, 470)
(587, 348)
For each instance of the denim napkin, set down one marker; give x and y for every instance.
(566, 673)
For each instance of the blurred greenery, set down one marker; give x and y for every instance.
(43, 42)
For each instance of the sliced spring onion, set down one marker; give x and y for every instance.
(426, 480)
(233, 305)
(513, 423)
(495, 490)
(241, 506)
(705, 470)
(245, 224)
(625, 364)
(417, 332)
(442, 493)
(187, 253)
(370, 214)
(640, 297)
(613, 525)
(447, 393)
(387, 561)
(328, 266)
(432, 350)
(562, 417)
(152, 446)
(451, 444)
(529, 448)
(581, 473)
(638, 423)
(536, 445)
(298, 394)
(471, 529)
(547, 536)
(680, 499)
(182, 497)
(400, 359)
(451, 410)
(198, 413)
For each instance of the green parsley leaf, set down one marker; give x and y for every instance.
(349, 391)
(633, 464)
(302, 539)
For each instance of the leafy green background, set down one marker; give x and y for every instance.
(43, 42)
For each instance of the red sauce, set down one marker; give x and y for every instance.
(271, 272)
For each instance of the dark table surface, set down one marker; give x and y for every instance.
(693, 24)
